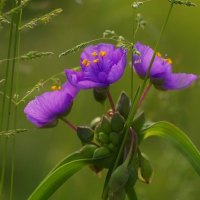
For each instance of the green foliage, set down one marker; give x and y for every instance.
(34, 54)
(181, 2)
(137, 4)
(12, 132)
(17, 9)
(41, 20)
(62, 173)
(170, 132)
(78, 47)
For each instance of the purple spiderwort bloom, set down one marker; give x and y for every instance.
(44, 110)
(101, 65)
(161, 75)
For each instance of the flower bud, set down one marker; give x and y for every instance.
(103, 138)
(123, 105)
(100, 94)
(100, 152)
(95, 122)
(114, 138)
(111, 147)
(117, 122)
(88, 150)
(119, 179)
(85, 134)
(104, 126)
(145, 169)
(120, 195)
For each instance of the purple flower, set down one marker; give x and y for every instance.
(161, 75)
(101, 65)
(44, 110)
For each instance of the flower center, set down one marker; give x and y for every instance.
(87, 62)
(168, 60)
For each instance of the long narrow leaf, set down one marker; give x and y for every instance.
(178, 138)
(60, 175)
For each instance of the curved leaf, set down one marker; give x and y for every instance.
(178, 138)
(61, 174)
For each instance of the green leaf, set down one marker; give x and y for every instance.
(61, 174)
(178, 138)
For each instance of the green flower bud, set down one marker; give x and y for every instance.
(145, 169)
(104, 125)
(119, 179)
(120, 195)
(101, 152)
(88, 150)
(114, 138)
(95, 122)
(111, 147)
(117, 122)
(100, 94)
(85, 134)
(123, 105)
(103, 138)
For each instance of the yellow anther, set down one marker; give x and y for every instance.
(169, 61)
(158, 54)
(102, 53)
(96, 61)
(54, 87)
(86, 63)
(94, 53)
(59, 88)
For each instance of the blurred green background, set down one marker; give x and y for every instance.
(38, 150)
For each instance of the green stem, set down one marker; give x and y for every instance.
(135, 103)
(111, 100)
(15, 109)
(16, 42)
(3, 108)
(12, 167)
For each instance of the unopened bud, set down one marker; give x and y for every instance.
(85, 134)
(95, 122)
(117, 122)
(145, 169)
(101, 152)
(100, 94)
(119, 178)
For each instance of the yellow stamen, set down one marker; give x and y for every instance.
(54, 87)
(96, 61)
(102, 53)
(169, 61)
(158, 54)
(94, 53)
(59, 88)
(86, 63)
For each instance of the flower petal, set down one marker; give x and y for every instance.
(176, 81)
(81, 81)
(46, 108)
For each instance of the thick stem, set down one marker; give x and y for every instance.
(111, 101)
(72, 126)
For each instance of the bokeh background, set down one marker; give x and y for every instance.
(38, 150)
